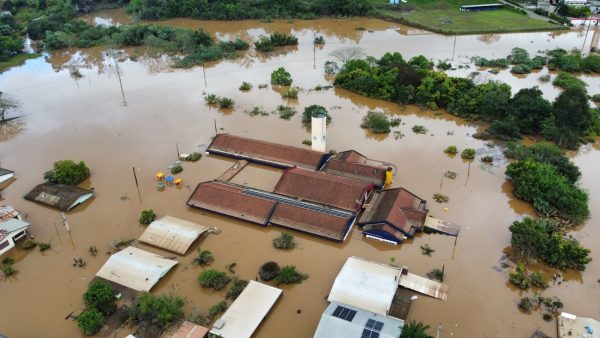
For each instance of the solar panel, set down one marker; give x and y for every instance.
(344, 313)
(369, 334)
(372, 329)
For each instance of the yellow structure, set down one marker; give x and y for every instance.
(178, 182)
(389, 176)
(160, 176)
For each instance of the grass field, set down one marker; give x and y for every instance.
(445, 17)
(16, 61)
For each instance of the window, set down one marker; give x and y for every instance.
(344, 313)
(372, 329)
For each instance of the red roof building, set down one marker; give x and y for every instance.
(359, 171)
(321, 224)
(228, 199)
(326, 189)
(266, 153)
(351, 156)
(398, 208)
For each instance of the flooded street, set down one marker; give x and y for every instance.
(85, 119)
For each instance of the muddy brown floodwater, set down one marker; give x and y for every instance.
(85, 119)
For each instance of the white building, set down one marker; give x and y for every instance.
(12, 228)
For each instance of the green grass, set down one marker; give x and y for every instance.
(16, 60)
(445, 17)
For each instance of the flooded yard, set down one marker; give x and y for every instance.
(65, 117)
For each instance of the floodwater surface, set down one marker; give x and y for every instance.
(160, 110)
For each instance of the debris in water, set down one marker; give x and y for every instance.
(441, 198)
(450, 174)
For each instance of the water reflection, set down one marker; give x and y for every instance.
(10, 129)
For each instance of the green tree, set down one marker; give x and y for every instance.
(378, 122)
(148, 216)
(414, 329)
(211, 278)
(281, 77)
(100, 296)
(572, 111)
(289, 275)
(90, 321)
(314, 111)
(520, 278)
(529, 109)
(156, 310)
(68, 172)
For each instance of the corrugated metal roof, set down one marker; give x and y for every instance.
(135, 268)
(172, 234)
(247, 312)
(357, 171)
(10, 226)
(266, 152)
(424, 286)
(366, 285)
(327, 189)
(62, 197)
(398, 207)
(228, 199)
(331, 326)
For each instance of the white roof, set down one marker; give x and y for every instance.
(10, 226)
(425, 286)
(172, 234)
(571, 326)
(332, 326)
(247, 311)
(135, 268)
(366, 285)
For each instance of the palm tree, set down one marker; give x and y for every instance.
(415, 329)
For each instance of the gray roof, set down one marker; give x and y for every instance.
(63, 197)
(357, 323)
(10, 226)
(5, 171)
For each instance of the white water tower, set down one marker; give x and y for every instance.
(319, 132)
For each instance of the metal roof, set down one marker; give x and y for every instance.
(366, 285)
(331, 326)
(577, 327)
(359, 171)
(135, 268)
(63, 197)
(10, 226)
(424, 286)
(8, 212)
(190, 330)
(247, 311)
(172, 234)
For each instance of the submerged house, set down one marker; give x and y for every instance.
(172, 234)
(393, 215)
(6, 175)
(62, 197)
(12, 228)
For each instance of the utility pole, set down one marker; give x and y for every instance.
(586, 33)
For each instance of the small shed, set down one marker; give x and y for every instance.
(11, 231)
(5, 175)
(135, 268)
(59, 196)
(247, 312)
(172, 234)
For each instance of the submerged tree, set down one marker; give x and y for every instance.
(7, 105)
(345, 55)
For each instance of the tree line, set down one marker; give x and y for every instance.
(569, 120)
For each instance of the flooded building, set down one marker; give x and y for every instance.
(375, 175)
(267, 153)
(62, 197)
(343, 321)
(5, 175)
(172, 234)
(393, 214)
(570, 325)
(12, 228)
(246, 313)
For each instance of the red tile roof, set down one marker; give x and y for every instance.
(330, 190)
(229, 200)
(397, 207)
(310, 221)
(359, 171)
(266, 152)
(190, 330)
(351, 156)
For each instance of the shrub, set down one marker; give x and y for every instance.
(214, 310)
(43, 246)
(176, 169)
(440, 198)
(468, 154)
(281, 77)
(414, 329)
(29, 244)
(100, 296)
(437, 274)
(289, 275)
(212, 278)
(268, 43)
(268, 271)
(427, 250)
(90, 322)
(246, 86)
(377, 122)
(319, 40)
(596, 98)
(566, 81)
(8, 270)
(225, 102)
(487, 159)
(156, 310)
(314, 111)
(211, 99)
(525, 304)
(256, 111)
(68, 172)
(291, 93)
(545, 78)
(443, 65)
(285, 112)
(284, 242)
(395, 122)
(193, 157)
(148, 216)
(537, 279)
(419, 129)
(204, 257)
(519, 277)
(237, 286)
(452, 150)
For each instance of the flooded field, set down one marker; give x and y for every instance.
(86, 119)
